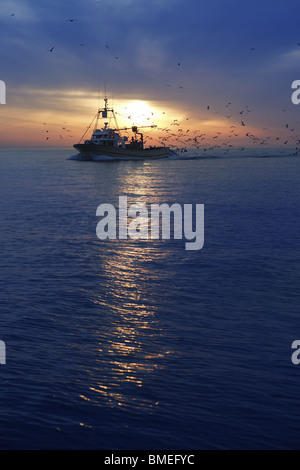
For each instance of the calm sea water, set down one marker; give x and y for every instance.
(142, 344)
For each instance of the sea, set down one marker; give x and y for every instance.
(142, 344)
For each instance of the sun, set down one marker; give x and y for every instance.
(139, 112)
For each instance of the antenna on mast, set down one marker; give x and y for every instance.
(99, 92)
(105, 101)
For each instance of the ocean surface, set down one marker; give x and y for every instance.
(140, 344)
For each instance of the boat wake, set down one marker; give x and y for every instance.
(105, 158)
(207, 154)
(93, 158)
(192, 155)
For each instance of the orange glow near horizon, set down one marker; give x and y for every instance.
(51, 118)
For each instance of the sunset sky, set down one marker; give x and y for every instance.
(200, 66)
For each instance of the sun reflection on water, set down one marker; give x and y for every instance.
(130, 350)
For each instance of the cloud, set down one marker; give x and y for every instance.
(134, 46)
(288, 60)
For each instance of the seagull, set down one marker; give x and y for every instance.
(72, 20)
(52, 49)
(243, 124)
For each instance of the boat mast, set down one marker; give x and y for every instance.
(104, 114)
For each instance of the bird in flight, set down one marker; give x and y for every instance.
(52, 49)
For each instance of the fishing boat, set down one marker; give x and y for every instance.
(107, 141)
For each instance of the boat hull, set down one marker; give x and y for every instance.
(121, 153)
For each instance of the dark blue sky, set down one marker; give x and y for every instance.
(146, 39)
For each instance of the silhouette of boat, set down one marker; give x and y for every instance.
(108, 141)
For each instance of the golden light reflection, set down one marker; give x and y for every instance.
(132, 350)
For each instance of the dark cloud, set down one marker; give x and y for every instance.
(245, 52)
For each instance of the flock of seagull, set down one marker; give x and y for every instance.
(193, 138)
(177, 136)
